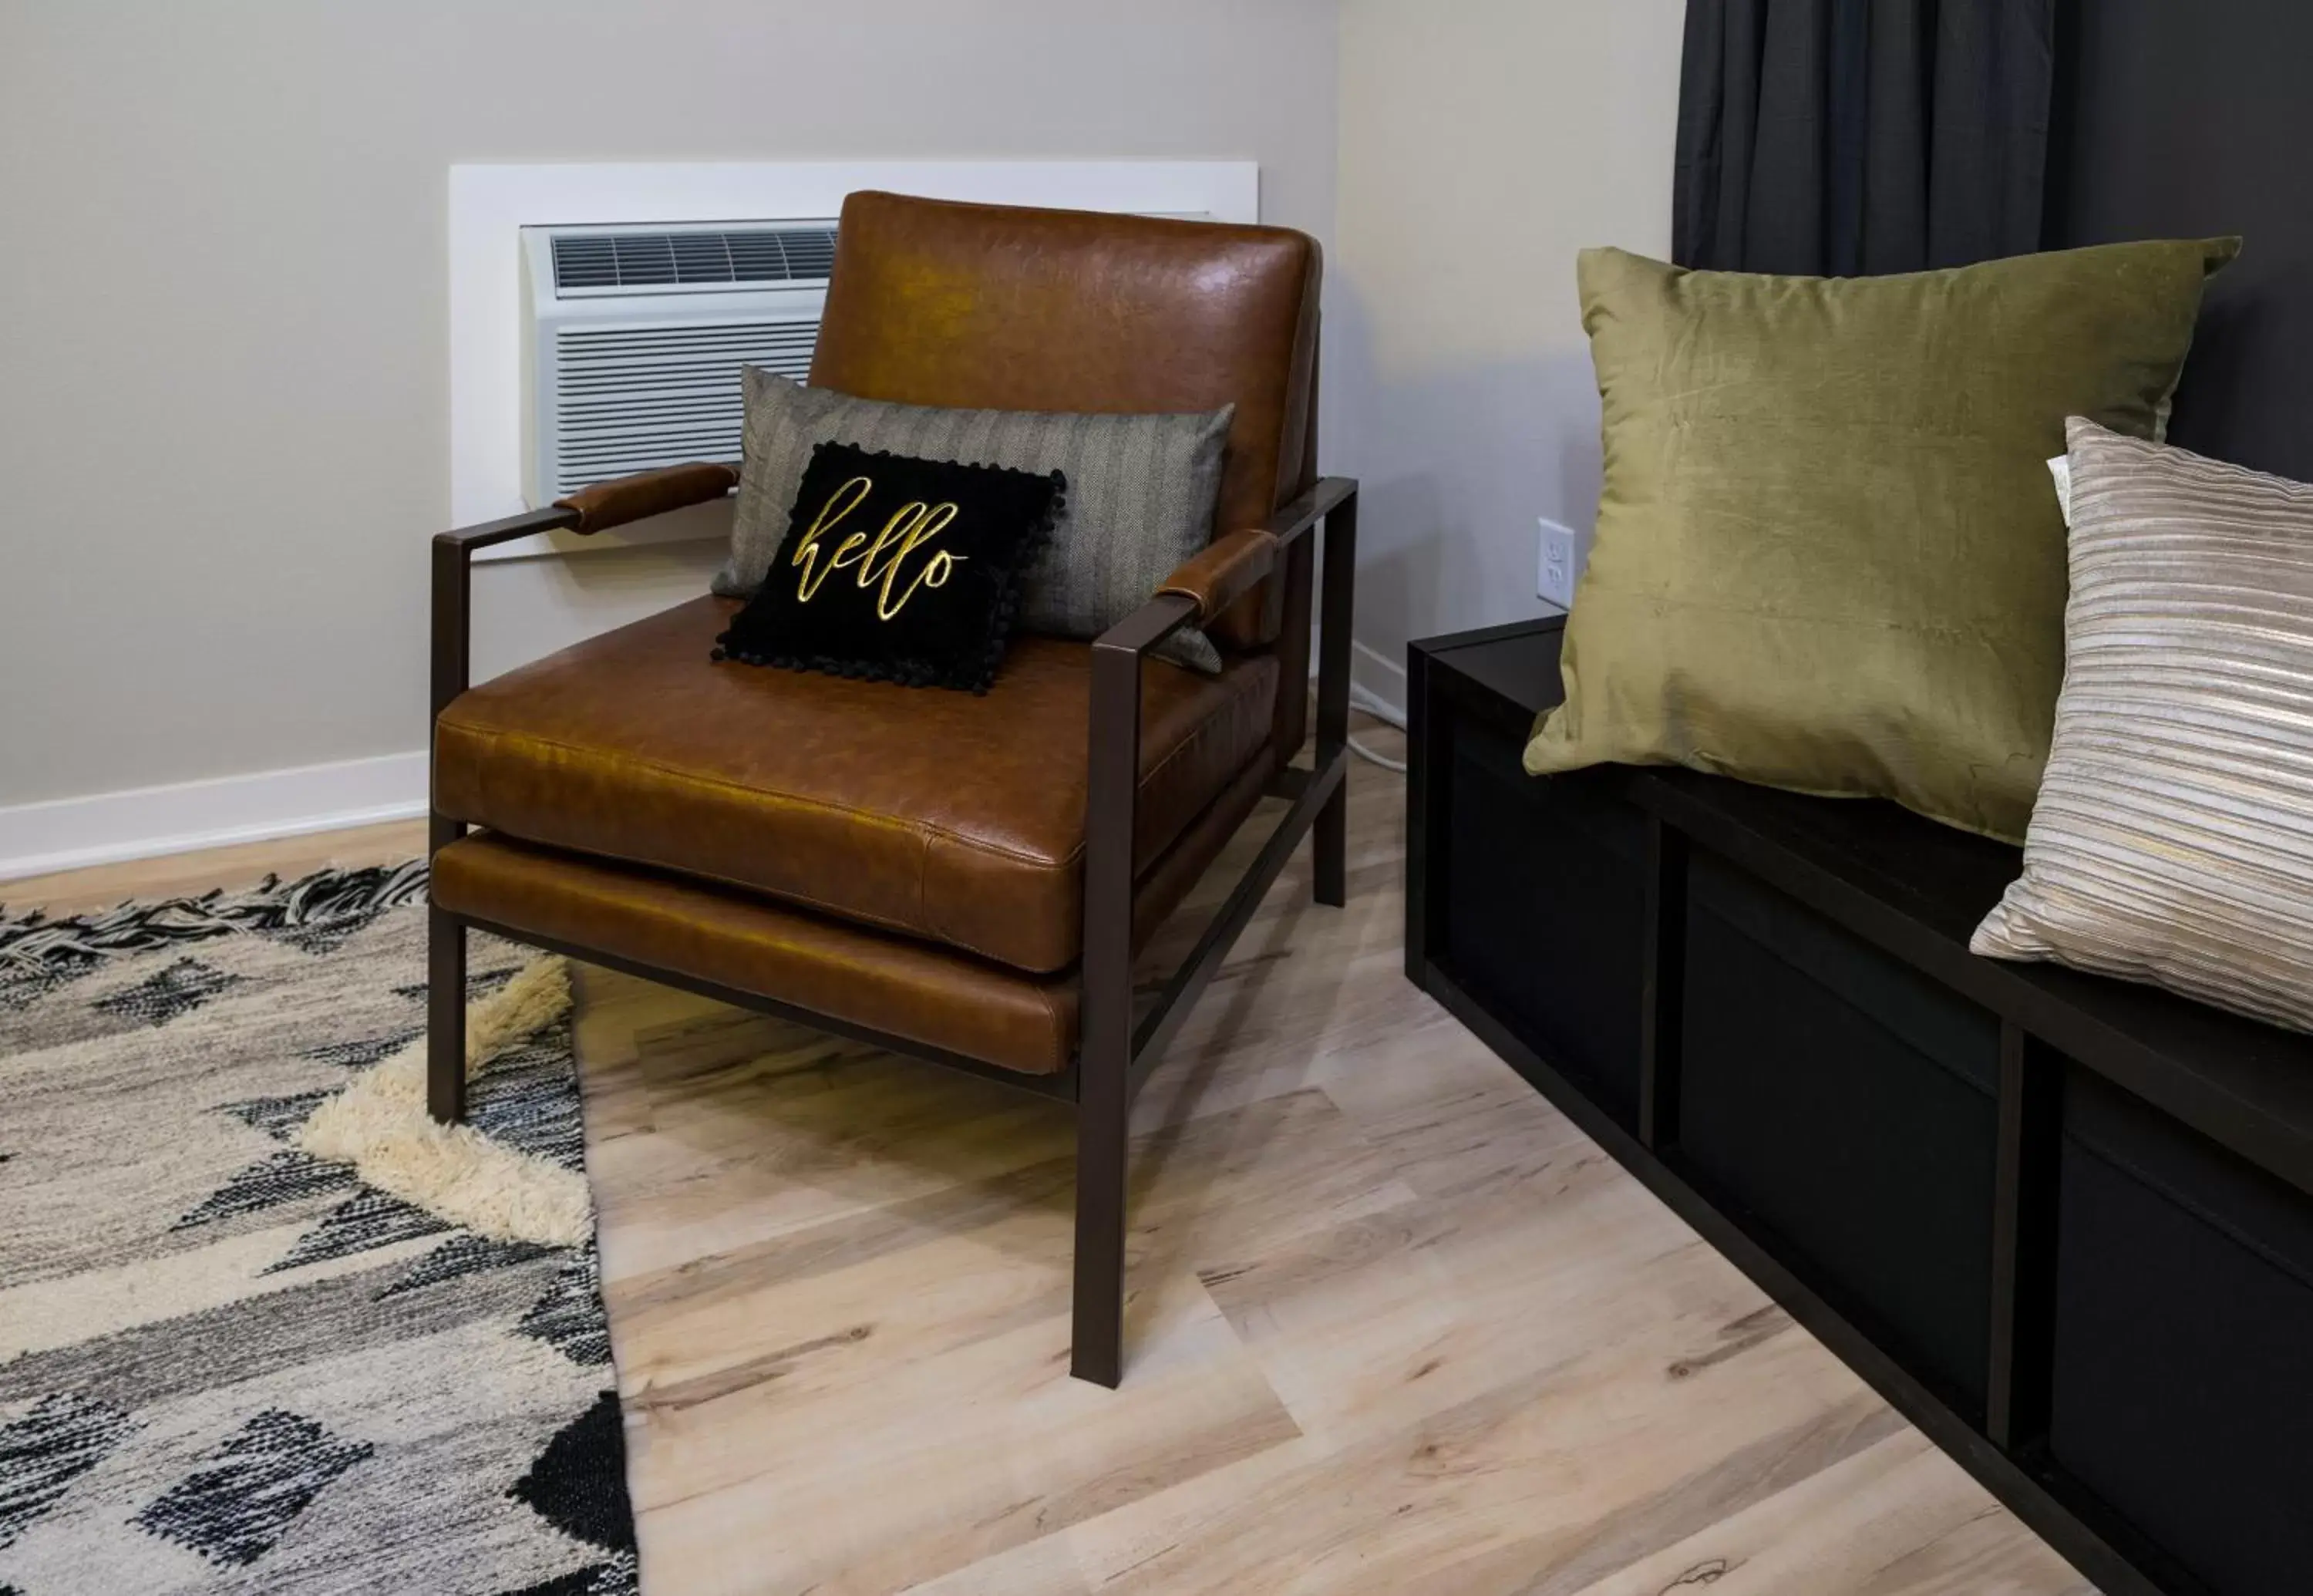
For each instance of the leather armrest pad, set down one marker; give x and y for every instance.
(1229, 567)
(648, 493)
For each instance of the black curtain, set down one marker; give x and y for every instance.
(2181, 120)
(1845, 137)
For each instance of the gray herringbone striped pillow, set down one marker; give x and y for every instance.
(1139, 496)
(2172, 841)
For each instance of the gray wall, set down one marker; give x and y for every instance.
(223, 352)
(1483, 144)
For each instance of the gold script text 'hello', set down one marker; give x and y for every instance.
(880, 559)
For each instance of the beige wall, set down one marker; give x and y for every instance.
(1482, 144)
(223, 334)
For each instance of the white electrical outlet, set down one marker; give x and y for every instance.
(1559, 566)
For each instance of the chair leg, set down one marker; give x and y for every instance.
(1104, 1041)
(1096, 1351)
(1337, 603)
(445, 1016)
(1329, 846)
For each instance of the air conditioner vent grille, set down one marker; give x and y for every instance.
(629, 398)
(738, 257)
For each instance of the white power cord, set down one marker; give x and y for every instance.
(1364, 700)
(1362, 697)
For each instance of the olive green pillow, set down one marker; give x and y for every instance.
(1826, 556)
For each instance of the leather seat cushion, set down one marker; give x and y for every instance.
(955, 818)
(932, 1000)
(941, 1001)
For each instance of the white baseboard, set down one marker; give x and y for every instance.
(145, 822)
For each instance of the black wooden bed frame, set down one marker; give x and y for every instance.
(2064, 1224)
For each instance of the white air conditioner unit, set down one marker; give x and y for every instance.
(633, 337)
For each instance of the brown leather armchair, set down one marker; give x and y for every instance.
(964, 879)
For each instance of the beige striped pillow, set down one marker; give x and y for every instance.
(2172, 841)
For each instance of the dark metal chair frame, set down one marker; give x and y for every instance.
(1114, 1055)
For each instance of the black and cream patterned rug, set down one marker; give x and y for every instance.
(228, 1363)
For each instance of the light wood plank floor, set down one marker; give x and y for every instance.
(1394, 1326)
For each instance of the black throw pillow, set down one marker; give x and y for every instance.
(899, 569)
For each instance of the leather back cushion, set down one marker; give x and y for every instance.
(999, 307)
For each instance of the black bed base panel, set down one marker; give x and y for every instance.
(2184, 1332)
(1850, 1105)
(2065, 1226)
(1568, 981)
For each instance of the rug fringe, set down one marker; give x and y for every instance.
(310, 902)
(379, 1124)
